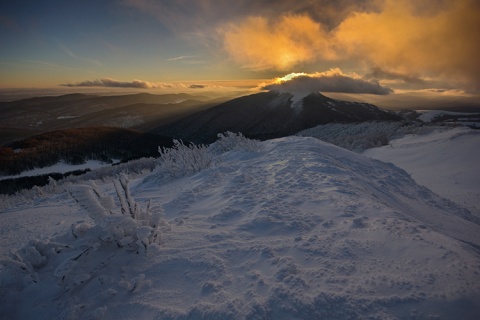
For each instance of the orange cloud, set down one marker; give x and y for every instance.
(440, 40)
(260, 44)
(435, 39)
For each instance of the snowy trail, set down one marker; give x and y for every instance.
(299, 230)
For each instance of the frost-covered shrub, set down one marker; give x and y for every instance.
(133, 226)
(75, 258)
(229, 141)
(181, 160)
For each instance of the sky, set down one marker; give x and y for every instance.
(352, 46)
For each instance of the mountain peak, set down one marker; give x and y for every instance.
(271, 114)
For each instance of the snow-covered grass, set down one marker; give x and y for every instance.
(294, 228)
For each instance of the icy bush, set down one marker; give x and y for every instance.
(127, 227)
(182, 160)
(133, 227)
(229, 141)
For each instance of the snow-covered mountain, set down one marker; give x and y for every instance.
(291, 228)
(271, 115)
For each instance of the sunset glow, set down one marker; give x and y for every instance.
(153, 45)
(289, 76)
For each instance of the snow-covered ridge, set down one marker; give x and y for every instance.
(429, 115)
(460, 118)
(361, 136)
(446, 161)
(294, 229)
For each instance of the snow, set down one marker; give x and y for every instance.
(446, 162)
(295, 229)
(61, 167)
(430, 115)
(295, 97)
(297, 100)
(472, 124)
(298, 96)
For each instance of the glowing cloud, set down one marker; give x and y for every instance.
(289, 76)
(407, 39)
(260, 44)
(333, 80)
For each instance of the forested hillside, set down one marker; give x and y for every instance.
(75, 146)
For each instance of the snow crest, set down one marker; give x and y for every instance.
(297, 229)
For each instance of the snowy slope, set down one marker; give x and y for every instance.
(446, 162)
(430, 115)
(464, 118)
(298, 230)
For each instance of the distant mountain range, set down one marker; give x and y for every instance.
(197, 118)
(271, 115)
(23, 118)
(39, 132)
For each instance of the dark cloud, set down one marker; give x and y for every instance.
(196, 86)
(106, 82)
(185, 15)
(438, 90)
(381, 74)
(331, 81)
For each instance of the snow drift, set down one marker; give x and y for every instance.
(295, 229)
